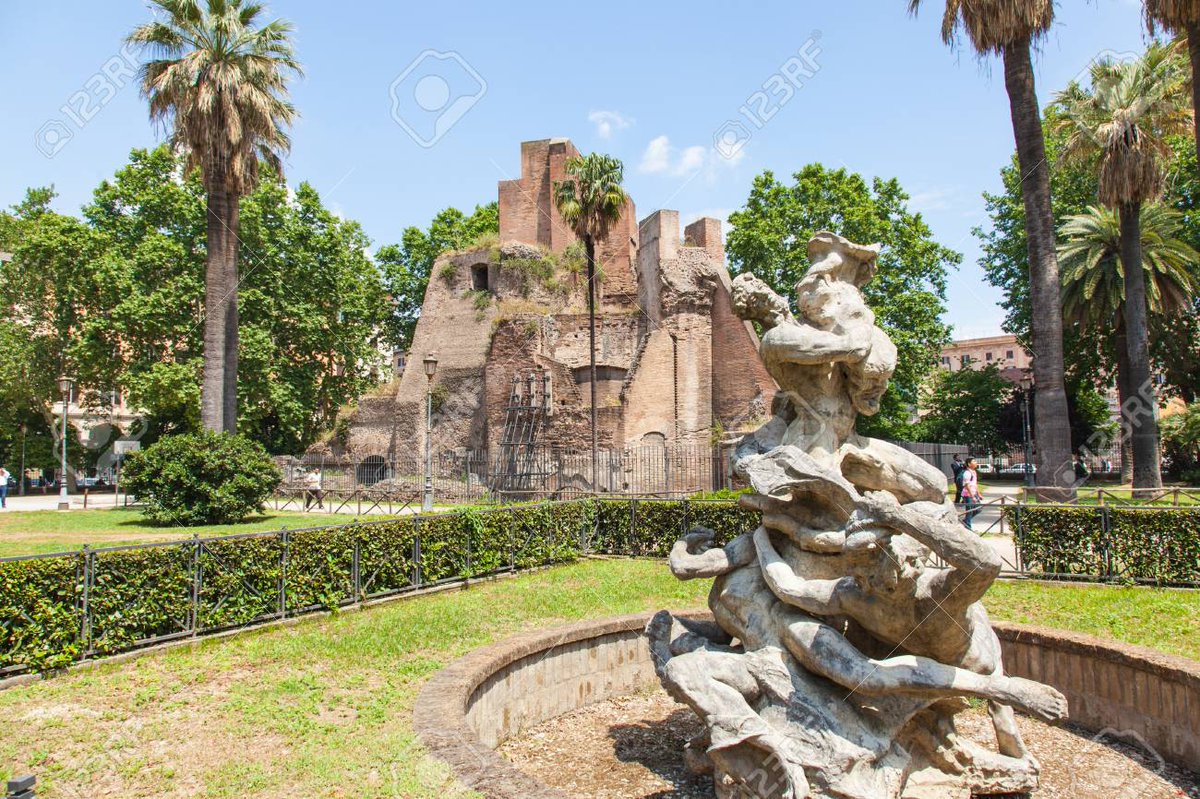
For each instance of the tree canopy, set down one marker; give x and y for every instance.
(115, 298)
(770, 236)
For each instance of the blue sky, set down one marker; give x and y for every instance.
(650, 83)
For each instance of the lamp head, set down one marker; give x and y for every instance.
(431, 363)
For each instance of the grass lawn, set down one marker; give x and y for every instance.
(41, 531)
(322, 709)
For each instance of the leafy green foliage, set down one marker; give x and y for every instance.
(1089, 351)
(312, 304)
(770, 238)
(1159, 546)
(407, 266)
(1181, 438)
(140, 593)
(965, 407)
(201, 478)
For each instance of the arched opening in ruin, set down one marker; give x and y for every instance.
(479, 277)
(371, 470)
(609, 380)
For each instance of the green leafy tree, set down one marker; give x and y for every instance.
(1010, 30)
(591, 200)
(132, 320)
(770, 239)
(1181, 435)
(1094, 282)
(406, 266)
(219, 80)
(966, 407)
(1182, 19)
(1121, 124)
(46, 293)
(201, 478)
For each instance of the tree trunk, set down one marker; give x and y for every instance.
(1124, 394)
(1052, 429)
(1143, 404)
(229, 392)
(1193, 41)
(590, 246)
(220, 284)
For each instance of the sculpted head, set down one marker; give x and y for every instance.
(755, 301)
(841, 259)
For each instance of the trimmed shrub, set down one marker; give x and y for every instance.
(201, 478)
(1159, 545)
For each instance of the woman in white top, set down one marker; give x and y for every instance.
(972, 498)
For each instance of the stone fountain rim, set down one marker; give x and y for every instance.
(440, 712)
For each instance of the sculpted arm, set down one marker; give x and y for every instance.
(691, 559)
(975, 565)
(819, 597)
(803, 344)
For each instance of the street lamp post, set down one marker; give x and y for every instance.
(1027, 387)
(65, 384)
(21, 487)
(430, 369)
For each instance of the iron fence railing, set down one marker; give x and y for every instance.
(95, 602)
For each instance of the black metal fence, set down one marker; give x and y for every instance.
(522, 473)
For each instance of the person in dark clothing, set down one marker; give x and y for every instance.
(957, 466)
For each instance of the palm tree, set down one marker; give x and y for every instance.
(218, 81)
(591, 200)
(1094, 283)
(1181, 18)
(1120, 123)
(1009, 28)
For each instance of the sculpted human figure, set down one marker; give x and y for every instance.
(840, 652)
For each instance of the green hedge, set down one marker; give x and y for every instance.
(55, 610)
(1159, 545)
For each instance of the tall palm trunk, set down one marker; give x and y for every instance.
(590, 246)
(229, 392)
(1052, 429)
(1193, 41)
(220, 294)
(1124, 394)
(1143, 415)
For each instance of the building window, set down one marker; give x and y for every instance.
(1010, 355)
(989, 356)
(965, 361)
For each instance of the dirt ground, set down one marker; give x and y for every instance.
(631, 748)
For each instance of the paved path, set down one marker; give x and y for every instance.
(40, 501)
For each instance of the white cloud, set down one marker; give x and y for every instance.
(935, 199)
(607, 122)
(661, 156)
(657, 157)
(692, 159)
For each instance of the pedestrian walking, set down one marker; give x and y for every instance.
(313, 492)
(3, 487)
(972, 497)
(958, 467)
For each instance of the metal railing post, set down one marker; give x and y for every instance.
(285, 537)
(356, 569)
(89, 576)
(197, 578)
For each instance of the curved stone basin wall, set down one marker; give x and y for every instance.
(495, 693)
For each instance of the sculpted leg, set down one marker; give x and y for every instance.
(821, 649)
(874, 465)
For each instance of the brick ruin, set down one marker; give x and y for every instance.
(509, 326)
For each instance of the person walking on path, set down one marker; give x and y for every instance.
(970, 492)
(3, 487)
(958, 467)
(313, 494)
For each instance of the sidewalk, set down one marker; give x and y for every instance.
(40, 501)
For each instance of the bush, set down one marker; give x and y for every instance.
(1158, 545)
(201, 478)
